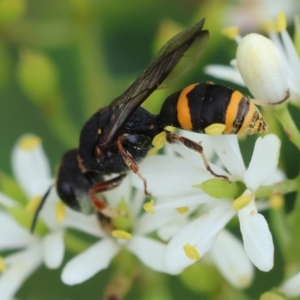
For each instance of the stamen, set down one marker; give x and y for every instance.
(281, 22)
(33, 204)
(2, 264)
(29, 142)
(170, 129)
(232, 33)
(148, 206)
(60, 211)
(159, 140)
(182, 210)
(242, 201)
(215, 129)
(121, 234)
(191, 252)
(276, 201)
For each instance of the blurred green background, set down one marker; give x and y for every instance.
(60, 61)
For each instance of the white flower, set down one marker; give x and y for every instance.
(291, 287)
(270, 68)
(98, 256)
(229, 256)
(32, 172)
(197, 237)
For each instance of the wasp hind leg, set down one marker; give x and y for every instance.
(173, 138)
(100, 204)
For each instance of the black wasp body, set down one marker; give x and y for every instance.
(117, 137)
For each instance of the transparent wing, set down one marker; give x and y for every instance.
(175, 58)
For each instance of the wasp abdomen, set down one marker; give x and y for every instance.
(200, 105)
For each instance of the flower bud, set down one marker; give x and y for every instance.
(262, 68)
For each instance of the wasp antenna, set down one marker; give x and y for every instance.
(36, 214)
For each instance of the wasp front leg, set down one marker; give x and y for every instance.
(99, 203)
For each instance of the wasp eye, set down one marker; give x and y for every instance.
(97, 151)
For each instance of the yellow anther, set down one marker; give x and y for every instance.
(159, 140)
(121, 234)
(60, 211)
(191, 252)
(2, 264)
(242, 201)
(281, 22)
(29, 142)
(182, 210)
(276, 201)
(231, 32)
(170, 129)
(269, 26)
(33, 204)
(148, 206)
(215, 129)
(153, 152)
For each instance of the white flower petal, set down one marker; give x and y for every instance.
(263, 162)
(262, 68)
(291, 287)
(225, 73)
(200, 233)
(53, 249)
(16, 236)
(228, 150)
(20, 267)
(168, 231)
(164, 176)
(31, 167)
(229, 256)
(148, 223)
(257, 237)
(123, 191)
(149, 251)
(88, 263)
(88, 224)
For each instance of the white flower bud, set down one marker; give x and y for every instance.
(262, 68)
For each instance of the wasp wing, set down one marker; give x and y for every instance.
(188, 44)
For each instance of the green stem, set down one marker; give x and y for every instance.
(284, 187)
(75, 244)
(283, 115)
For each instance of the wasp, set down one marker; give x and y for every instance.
(117, 137)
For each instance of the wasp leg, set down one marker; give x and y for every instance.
(100, 203)
(172, 138)
(130, 162)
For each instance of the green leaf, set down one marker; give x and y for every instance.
(271, 296)
(220, 188)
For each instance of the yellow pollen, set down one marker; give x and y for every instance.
(152, 152)
(170, 129)
(276, 201)
(121, 234)
(281, 22)
(231, 32)
(33, 204)
(215, 129)
(2, 264)
(60, 211)
(269, 26)
(241, 201)
(148, 206)
(182, 210)
(191, 252)
(29, 142)
(159, 140)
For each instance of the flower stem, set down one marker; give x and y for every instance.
(283, 115)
